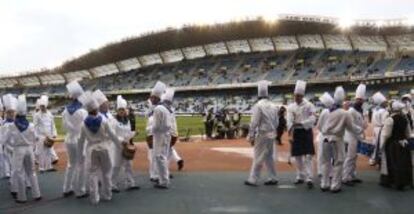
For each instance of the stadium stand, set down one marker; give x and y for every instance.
(222, 63)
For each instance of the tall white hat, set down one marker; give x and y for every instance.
(121, 102)
(397, 105)
(339, 95)
(88, 101)
(300, 87)
(158, 89)
(378, 98)
(168, 95)
(44, 100)
(360, 91)
(263, 88)
(327, 100)
(74, 89)
(100, 97)
(21, 105)
(9, 102)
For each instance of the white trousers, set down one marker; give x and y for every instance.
(333, 155)
(304, 168)
(349, 171)
(151, 164)
(121, 164)
(45, 155)
(173, 155)
(99, 163)
(264, 153)
(161, 150)
(74, 177)
(23, 164)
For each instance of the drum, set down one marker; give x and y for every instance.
(128, 151)
(48, 142)
(173, 141)
(365, 148)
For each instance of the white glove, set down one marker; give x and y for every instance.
(403, 143)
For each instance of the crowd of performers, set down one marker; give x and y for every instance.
(341, 136)
(100, 148)
(99, 145)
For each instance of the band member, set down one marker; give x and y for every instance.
(262, 134)
(123, 131)
(99, 136)
(301, 119)
(333, 153)
(349, 174)
(396, 166)
(22, 136)
(379, 114)
(161, 132)
(45, 128)
(167, 99)
(72, 116)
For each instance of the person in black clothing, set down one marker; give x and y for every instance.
(281, 128)
(209, 123)
(396, 166)
(131, 118)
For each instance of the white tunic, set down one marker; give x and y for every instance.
(44, 124)
(264, 119)
(304, 114)
(73, 124)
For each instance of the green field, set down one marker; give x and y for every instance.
(186, 124)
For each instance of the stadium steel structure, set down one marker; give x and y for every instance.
(288, 33)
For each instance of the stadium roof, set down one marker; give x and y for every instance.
(166, 42)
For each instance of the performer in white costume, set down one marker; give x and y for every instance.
(262, 135)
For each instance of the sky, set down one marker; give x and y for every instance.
(39, 34)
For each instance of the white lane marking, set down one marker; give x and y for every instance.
(248, 152)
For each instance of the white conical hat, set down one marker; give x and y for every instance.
(263, 88)
(397, 105)
(360, 91)
(74, 89)
(408, 96)
(88, 101)
(412, 91)
(100, 97)
(378, 98)
(327, 100)
(339, 95)
(158, 89)
(44, 100)
(9, 102)
(168, 95)
(300, 87)
(121, 102)
(21, 105)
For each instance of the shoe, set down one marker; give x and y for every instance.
(51, 170)
(158, 186)
(133, 188)
(324, 189)
(154, 180)
(20, 202)
(299, 181)
(115, 190)
(348, 183)
(336, 191)
(14, 194)
(271, 183)
(38, 198)
(247, 183)
(309, 184)
(55, 162)
(67, 194)
(171, 176)
(180, 165)
(356, 181)
(82, 196)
